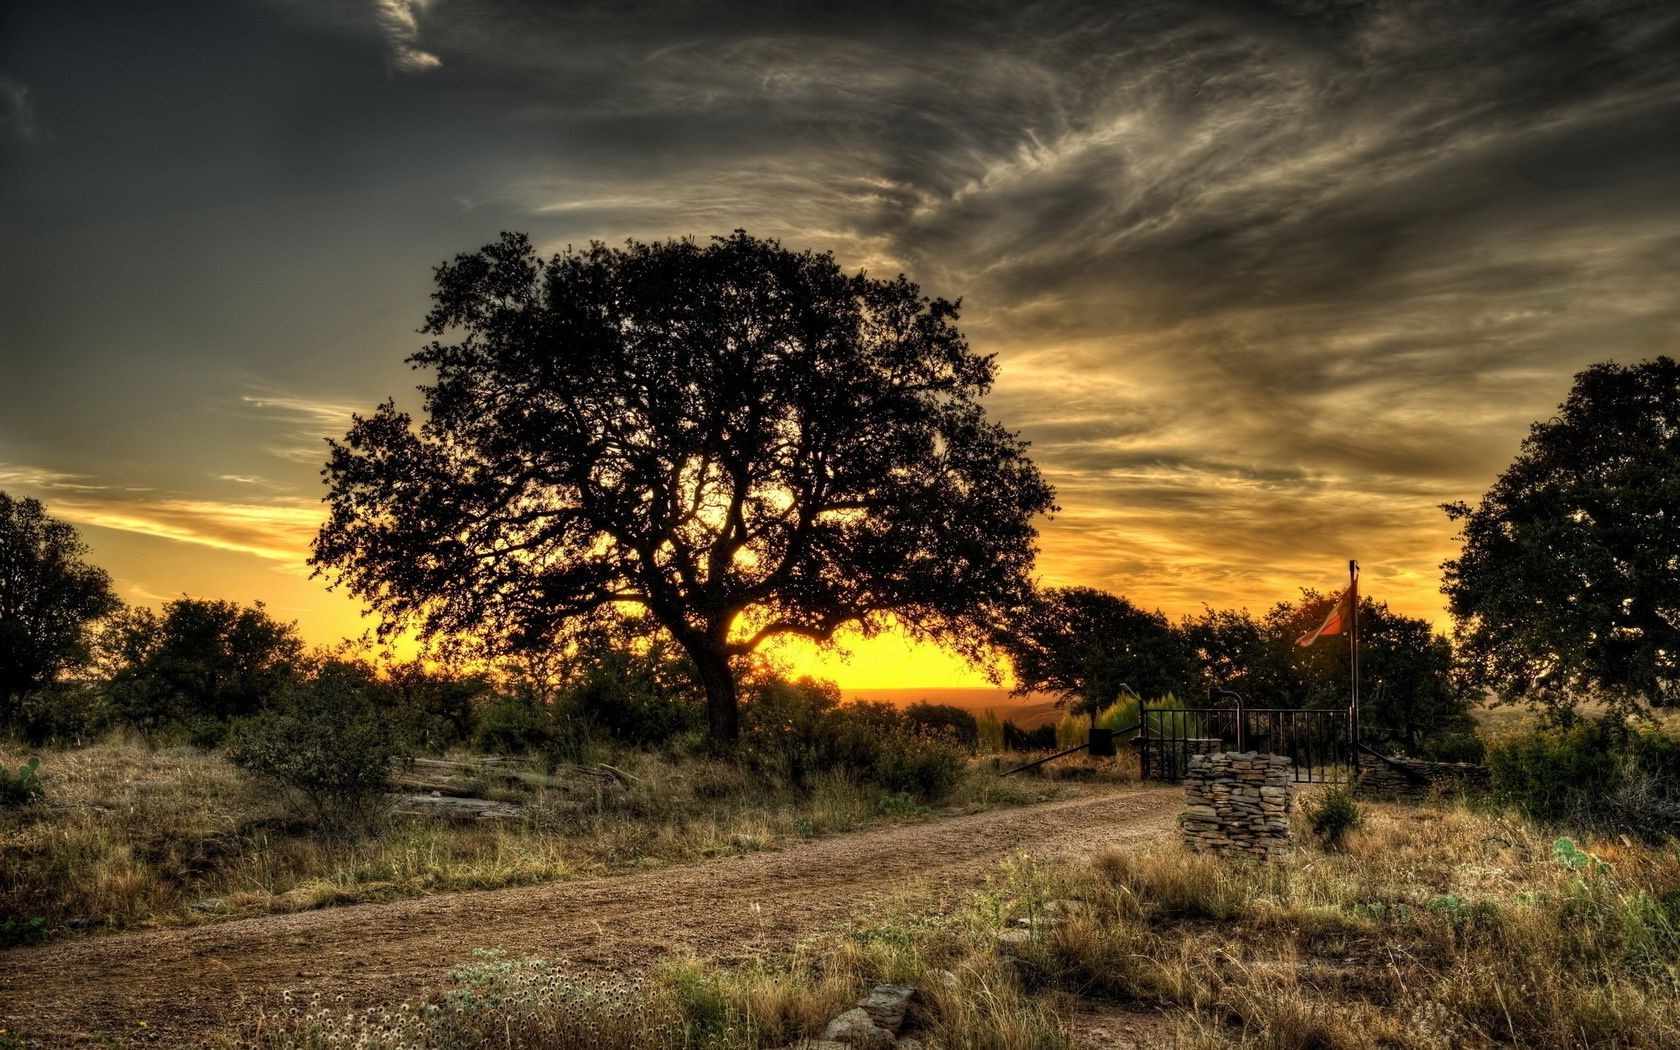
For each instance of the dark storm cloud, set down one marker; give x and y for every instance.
(1266, 282)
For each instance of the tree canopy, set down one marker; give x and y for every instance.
(1084, 644)
(737, 440)
(200, 661)
(49, 599)
(1568, 584)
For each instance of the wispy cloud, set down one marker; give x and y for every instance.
(17, 113)
(277, 530)
(306, 424)
(399, 20)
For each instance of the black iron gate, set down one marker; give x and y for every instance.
(1319, 743)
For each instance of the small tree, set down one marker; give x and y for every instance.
(738, 440)
(200, 661)
(49, 599)
(1569, 579)
(328, 740)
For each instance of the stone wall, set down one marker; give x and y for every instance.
(1237, 803)
(1415, 777)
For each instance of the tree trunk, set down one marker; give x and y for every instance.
(723, 713)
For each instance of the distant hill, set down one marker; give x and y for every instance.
(1028, 712)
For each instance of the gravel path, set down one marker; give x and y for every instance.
(190, 984)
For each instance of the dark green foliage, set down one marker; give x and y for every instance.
(66, 713)
(960, 725)
(793, 731)
(1568, 584)
(514, 724)
(642, 696)
(329, 742)
(716, 435)
(16, 932)
(49, 600)
(1017, 739)
(199, 665)
(1086, 646)
(916, 762)
(1592, 774)
(1331, 814)
(22, 787)
(1560, 774)
(1454, 745)
(438, 705)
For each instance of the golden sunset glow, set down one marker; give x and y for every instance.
(1262, 293)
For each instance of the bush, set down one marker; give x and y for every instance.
(1017, 739)
(514, 724)
(65, 713)
(1456, 746)
(1332, 814)
(960, 725)
(919, 763)
(794, 730)
(1560, 774)
(22, 787)
(328, 744)
(643, 699)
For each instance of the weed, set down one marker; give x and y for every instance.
(22, 787)
(1332, 814)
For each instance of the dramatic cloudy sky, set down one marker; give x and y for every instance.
(1266, 282)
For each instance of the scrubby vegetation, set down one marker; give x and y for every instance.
(1435, 927)
(135, 835)
(1603, 775)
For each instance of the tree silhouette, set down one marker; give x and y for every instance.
(1569, 579)
(736, 440)
(1083, 644)
(49, 597)
(199, 662)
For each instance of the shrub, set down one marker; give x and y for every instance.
(990, 732)
(328, 744)
(1559, 774)
(1456, 746)
(922, 764)
(639, 698)
(1017, 739)
(15, 932)
(960, 725)
(64, 713)
(514, 724)
(22, 787)
(792, 731)
(1332, 814)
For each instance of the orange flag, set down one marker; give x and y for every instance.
(1336, 621)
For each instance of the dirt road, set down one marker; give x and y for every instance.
(190, 984)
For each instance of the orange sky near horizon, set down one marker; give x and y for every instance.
(1264, 286)
(150, 565)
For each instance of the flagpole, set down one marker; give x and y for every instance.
(1353, 660)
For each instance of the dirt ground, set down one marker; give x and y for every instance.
(187, 985)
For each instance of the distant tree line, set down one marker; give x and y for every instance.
(1089, 647)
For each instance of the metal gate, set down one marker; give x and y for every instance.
(1319, 743)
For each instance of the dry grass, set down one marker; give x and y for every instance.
(129, 836)
(1437, 928)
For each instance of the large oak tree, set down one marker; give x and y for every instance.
(734, 440)
(1569, 580)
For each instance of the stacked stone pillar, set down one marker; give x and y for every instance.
(1237, 804)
